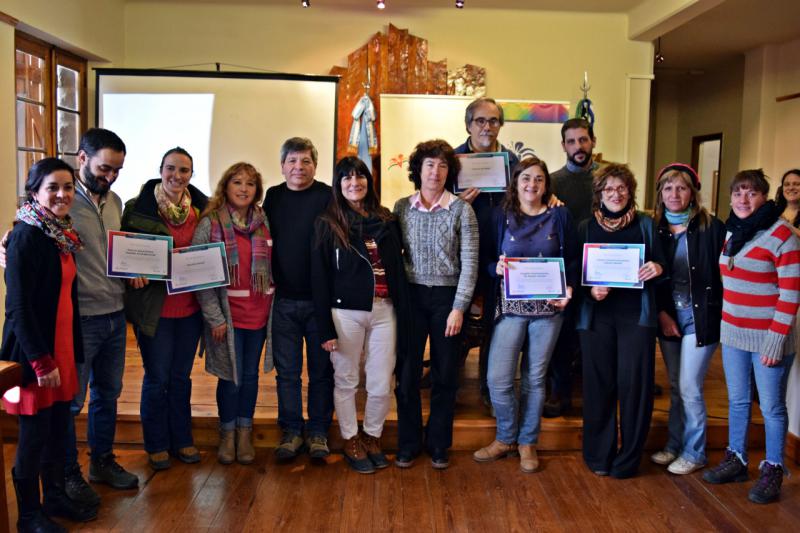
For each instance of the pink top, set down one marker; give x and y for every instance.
(249, 309)
(184, 304)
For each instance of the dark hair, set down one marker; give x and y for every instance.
(43, 168)
(511, 200)
(298, 144)
(437, 149)
(219, 197)
(335, 218)
(751, 179)
(176, 150)
(96, 139)
(780, 199)
(475, 104)
(678, 171)
(612, 170)
(574, 124)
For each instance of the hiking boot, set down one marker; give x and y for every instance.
(768, 487)
(356, 456)
(730, 469)
(681, 466)
(189, 455)
(291, 444)
(77, 489)
(159, 460)
(317, 447)
(245, 454)
(105, 469)
(494, 451)
(55, 501)
(528, 458)
(226, 453)
(372, 445)
(663, 457)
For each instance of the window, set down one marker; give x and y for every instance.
(51, 103)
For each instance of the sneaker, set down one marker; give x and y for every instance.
(159, 460)
(189, 455)
(291, 444)
(404, 459)
(439, 459)
(106, 470)
(77, 489)
(681, 466)
(356, 456)
(528, 458)
(664, 457)
(768, 487)
(496, 450)
(317, 447)
(730, 469)
(372, 445)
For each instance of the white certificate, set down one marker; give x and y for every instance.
(535, 278)
(134, 255)
(487, 171)
(613, 265)
(202, 266)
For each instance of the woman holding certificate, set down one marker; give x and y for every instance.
(42, 333)
(689, 311)
(167, 327)
(440, 234)
(235, 317)
(760, 266)
(525, 227)
(617, 325)
(361, 300)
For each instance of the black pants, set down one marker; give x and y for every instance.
(42, 440)
(618, 365)
(564, 354)
(430, 308)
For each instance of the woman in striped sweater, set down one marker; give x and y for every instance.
(760, 267)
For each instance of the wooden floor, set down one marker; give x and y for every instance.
(328, 496)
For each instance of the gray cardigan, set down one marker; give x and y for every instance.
(221, 357)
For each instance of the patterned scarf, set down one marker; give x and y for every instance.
(172, 213)
(58, 229)
(612, 222)
(224, 225)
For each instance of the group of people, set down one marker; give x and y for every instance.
(330, 268)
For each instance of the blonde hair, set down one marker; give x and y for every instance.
(695, 209)
(219, 197)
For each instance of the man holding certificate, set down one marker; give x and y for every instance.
(533, 266)
(617, 325)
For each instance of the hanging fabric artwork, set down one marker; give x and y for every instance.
(363, 137)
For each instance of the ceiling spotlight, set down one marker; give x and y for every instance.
(460, 4)
(306, 3)
(381, 4)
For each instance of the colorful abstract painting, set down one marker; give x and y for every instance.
(535, 112)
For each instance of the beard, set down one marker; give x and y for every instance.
(587, 156)
(94, 184)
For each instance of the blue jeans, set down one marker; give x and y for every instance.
(102, 369)
(771, 384)
(237, 404)
(166, 408)
(293, 321)
(687, 364)
(519, 422)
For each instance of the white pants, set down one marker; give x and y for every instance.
(375, 334)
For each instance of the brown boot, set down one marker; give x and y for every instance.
(496, 450)
(226, 453)
(372, 445)
(245, 454)
(357, 457)
(528, 458)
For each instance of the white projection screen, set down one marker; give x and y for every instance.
(218, 117)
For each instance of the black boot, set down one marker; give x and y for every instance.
(30, 518)
(56, 501)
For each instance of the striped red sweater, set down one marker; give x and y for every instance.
(762, 293)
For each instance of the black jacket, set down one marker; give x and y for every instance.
(33, 284)
(704, 247)
(343, 278)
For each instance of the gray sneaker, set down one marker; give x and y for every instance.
(291, 444)
(77, 489)
(106, 470)
(317, 447)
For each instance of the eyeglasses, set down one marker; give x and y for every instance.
(621, 190)
(480, 121)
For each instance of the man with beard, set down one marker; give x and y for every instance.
(573, 185)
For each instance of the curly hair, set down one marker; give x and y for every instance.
(435, 149)
(612, 170)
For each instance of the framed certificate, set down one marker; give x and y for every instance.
(612, 265)
(198, 267)
(534, 278)
(487, 171)
(138, 255)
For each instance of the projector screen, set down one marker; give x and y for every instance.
(218, 117)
